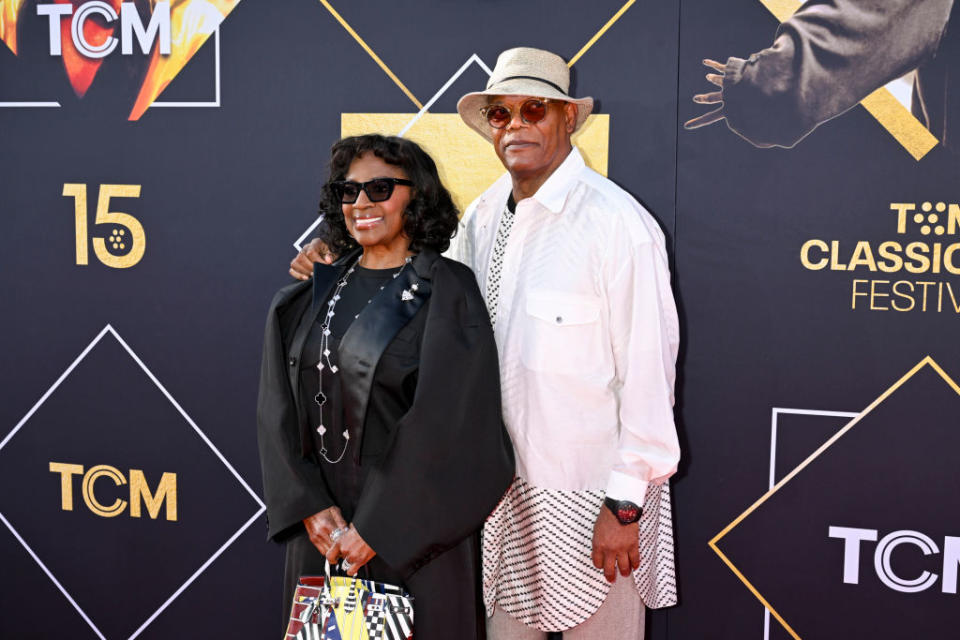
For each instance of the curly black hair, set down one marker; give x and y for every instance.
(430, 219)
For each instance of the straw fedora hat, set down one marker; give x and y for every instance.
(523, 72)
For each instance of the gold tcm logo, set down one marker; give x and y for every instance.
(140, 493)
(84, 33)
(108, 453)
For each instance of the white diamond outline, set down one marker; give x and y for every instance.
(262, 507)
(775, 414)
(473, 59)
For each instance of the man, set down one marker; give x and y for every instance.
(576, 280)
(829, 56)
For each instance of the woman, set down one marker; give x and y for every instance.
(379, 422)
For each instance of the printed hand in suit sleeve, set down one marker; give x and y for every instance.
(825, 59)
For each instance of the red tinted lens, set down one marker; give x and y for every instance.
(533, 111)
(498, 116)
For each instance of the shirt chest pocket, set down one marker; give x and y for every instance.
(562, 333)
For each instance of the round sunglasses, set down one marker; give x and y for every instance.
(531, 112)
(377, 190)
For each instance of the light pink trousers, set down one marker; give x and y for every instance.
(620, 616)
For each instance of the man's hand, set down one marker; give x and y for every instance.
(714, 97)
(301, 267)
(355, 551)
(320, 526)
(615, 545)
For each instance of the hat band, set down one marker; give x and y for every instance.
(536, 79)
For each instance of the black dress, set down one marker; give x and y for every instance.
(428, 457)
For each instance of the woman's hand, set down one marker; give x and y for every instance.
(301, 267)
(320, 527)
(355, 551)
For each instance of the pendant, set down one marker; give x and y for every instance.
(406, 296)
(320, 398)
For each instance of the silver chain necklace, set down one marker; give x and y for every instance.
(321, 398)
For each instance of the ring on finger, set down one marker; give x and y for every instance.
(336, 534)
(346, 565)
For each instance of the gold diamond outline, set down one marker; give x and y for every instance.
(926, 361)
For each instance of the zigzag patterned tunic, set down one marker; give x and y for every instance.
(536, 555)
(537, 543)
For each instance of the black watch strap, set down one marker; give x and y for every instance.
(625, 511)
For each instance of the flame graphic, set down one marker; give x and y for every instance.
(80, 69)
(191, 23)
(8, 22)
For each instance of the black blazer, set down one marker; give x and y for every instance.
(450, 459)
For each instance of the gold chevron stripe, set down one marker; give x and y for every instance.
(600, 33)
(371, 53)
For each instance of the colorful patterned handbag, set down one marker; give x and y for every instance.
(343, 608)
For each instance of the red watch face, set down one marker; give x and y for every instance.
(628, 513)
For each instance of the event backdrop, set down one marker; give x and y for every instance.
(162, 160)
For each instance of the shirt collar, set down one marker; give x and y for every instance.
(553, 193)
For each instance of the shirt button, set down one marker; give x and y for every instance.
(559, 320)
(293, 362)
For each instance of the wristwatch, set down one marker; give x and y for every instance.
(625, 511)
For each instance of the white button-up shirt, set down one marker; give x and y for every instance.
(587, 331)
